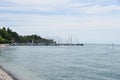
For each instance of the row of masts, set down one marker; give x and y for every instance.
(62, 39)
(65, 39)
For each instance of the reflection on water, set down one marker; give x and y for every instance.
(63, 63)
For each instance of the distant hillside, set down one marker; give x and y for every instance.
(9, 36)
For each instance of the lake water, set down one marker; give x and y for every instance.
(89, 62)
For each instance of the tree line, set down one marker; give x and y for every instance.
(9, 36)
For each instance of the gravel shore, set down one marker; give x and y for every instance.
(5, 75)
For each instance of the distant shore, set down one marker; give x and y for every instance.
(3, 45)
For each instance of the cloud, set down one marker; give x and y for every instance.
(89, 19)
(61, 23)
(61, 7)
(54, 7)
(39, 2)
(97, 9)
(27, 9)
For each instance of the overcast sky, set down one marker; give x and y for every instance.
(87, 21)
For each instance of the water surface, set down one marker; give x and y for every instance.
(89, 62)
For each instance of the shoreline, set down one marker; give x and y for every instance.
(6, 75)
(3, 45)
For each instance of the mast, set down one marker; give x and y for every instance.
(32, 44)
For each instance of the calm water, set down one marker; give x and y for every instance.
(89, 62)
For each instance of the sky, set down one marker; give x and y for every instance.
(75, 21)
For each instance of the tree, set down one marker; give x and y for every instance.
(7, 36)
